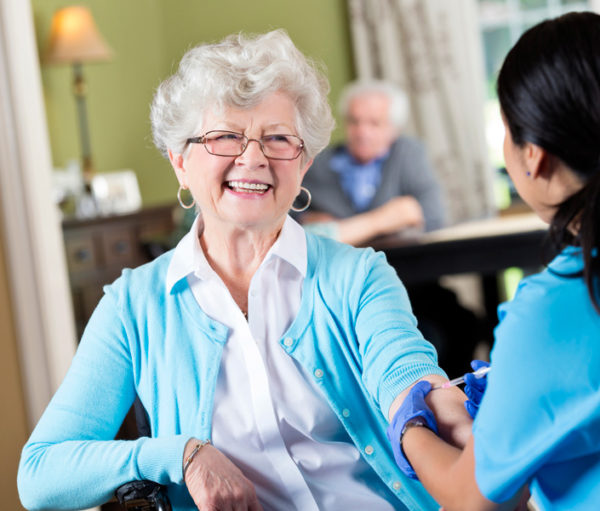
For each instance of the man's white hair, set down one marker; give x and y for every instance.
(399, 106)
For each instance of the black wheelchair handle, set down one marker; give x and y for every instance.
(143, 496)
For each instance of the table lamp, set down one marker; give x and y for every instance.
(74, 39)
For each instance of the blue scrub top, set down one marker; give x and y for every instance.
(539, 421)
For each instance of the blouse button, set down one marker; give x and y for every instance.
(369, 449)
(319, 373)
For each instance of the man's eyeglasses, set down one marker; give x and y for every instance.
(230, 143)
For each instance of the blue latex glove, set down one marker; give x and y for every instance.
(413, 406)
(474, 388)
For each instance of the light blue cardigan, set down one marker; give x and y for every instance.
(354, 333)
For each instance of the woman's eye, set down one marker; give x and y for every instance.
(228, 137)
(276, 138)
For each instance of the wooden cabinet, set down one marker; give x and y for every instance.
(98, 249)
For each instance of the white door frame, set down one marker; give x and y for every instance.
(30, 229)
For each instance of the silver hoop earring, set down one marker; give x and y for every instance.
(183, 204)
(308, 200)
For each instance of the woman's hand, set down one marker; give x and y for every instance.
(475, 388)
(413, 410)
(453, 421)
(215, 483)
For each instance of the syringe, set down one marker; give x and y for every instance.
(480, 373)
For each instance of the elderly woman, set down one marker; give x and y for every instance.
(268, 359)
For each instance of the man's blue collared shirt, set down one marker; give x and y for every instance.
(359, 181)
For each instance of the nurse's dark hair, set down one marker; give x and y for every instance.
(549, 92)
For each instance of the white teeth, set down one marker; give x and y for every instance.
(241, 185)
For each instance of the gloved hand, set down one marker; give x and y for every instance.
(413, 406)
(475, 387)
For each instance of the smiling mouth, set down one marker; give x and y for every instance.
(243, 187)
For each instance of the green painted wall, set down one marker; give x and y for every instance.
(148, 38)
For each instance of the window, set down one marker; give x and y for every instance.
(502, 22)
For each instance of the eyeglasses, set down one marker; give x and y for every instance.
(230, 143)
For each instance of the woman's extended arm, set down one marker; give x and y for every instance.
(448, 473)
(395, 354)
(71, 460)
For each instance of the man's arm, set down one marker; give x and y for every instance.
(395, 215)
(420, 207)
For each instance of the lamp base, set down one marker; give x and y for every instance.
(87, 171)
(79, 91)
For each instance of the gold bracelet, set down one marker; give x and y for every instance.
(192, 455)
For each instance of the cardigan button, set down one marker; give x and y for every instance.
(369, 449)
(346, 412)
(319, 373)
(288, 341)
(396, 485)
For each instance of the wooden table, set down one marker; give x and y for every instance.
(483, 246)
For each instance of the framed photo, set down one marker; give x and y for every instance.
(116, 192)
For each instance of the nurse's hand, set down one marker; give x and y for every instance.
(475, 388)
(214, 482)
(412, 410)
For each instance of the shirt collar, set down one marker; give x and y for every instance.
(188, 256)
(342, 161)
(184, 260)
(291, 245)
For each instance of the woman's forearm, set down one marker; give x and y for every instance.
(448, 473)
(78, 474)
(453, 421)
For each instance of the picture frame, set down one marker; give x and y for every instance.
(116, 192)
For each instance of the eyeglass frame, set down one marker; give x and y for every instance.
(201, 140)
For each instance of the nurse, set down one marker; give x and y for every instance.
(538, 424)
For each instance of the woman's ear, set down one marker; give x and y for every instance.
(176, 160)
(305, 168)
(536, 160)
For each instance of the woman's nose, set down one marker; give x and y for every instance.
(253, 155)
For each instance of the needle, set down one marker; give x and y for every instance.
(480, 373)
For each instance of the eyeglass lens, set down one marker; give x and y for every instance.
(227, 143)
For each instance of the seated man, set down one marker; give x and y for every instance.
(380, 181)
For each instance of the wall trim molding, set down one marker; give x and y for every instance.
(30, 223)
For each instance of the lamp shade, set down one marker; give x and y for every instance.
(74, 38)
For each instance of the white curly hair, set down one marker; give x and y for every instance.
(241, 71)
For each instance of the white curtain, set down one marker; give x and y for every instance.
(432, 49)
